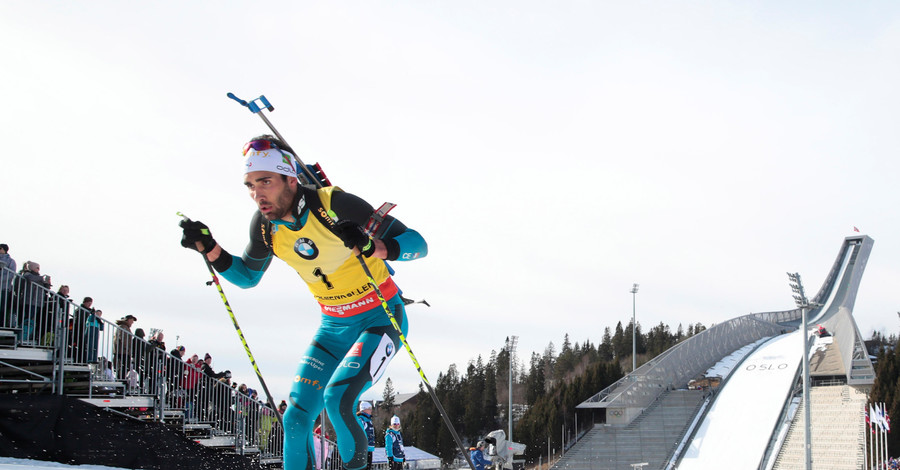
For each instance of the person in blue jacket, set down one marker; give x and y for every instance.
(477, 456)
(364, 416)
(393, 445)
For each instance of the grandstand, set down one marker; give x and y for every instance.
(751, 419)
(123, 392)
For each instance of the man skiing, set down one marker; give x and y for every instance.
(319, 234)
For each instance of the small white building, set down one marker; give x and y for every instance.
(416, 459)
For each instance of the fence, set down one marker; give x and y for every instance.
(73, 350)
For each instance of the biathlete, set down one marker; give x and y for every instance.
(318, 232)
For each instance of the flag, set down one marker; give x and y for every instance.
(866, 412)
(887, 421)
(879, 417)
(871, 416)
(855, 229)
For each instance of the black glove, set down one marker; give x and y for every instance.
(193, 232)
(353, 237)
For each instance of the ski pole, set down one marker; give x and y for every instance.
(262, 382)
(256, 109)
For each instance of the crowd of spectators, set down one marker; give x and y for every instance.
(37, 314)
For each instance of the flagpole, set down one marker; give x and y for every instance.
(874, 419)
(866, 447)
(884, 433)
(881, 435)
(871, 446)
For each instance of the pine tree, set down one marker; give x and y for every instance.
(621, 345)
(566, 359)
(388, 397)
(605, 350)
(534, 385)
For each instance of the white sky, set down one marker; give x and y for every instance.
(552, 153)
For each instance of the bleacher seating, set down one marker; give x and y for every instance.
(650, 438)
(54, 355)
(838, 431)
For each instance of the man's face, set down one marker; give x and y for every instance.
(273, 193)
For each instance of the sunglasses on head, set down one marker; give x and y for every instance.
(259, 145)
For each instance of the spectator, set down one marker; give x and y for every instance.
(154, 360)
(178, 352)
(208, 370)
(223, 396)
(79, 320)
(320, 447)
(209, 389)
(107, 372)
(393, 445)
(477, 456)
(267, 428)
(7, 275)
(92, 328)
(173, 371)
(133, 380)
(192, 373)
(245, 410)
(123, 347)
(32, 291)
(158, 340)
(364, 416)
(58, 315)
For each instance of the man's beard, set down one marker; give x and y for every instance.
(282, 206)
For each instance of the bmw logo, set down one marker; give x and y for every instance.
(389, 349)
(306, 249)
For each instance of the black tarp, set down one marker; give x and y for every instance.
(68, 430)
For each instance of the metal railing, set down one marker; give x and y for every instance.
(682, 362)
(69, 349)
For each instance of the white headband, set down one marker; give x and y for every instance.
(274, 160)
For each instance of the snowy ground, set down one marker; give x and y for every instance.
(7, 463)
(739, 424)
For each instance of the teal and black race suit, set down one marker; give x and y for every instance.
(355, 341)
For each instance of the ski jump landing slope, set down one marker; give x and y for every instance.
(744, 416)
(740, 422)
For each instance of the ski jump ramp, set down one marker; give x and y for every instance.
(738, 427)
(748, 410)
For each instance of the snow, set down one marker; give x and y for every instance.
(8, 463)
(741, 420)
(724, 367)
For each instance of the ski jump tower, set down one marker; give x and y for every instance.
(629, 397)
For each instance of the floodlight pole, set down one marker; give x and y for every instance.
(804, 305)
(634, 290)
(512, 340)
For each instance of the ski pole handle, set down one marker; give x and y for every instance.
(199, 245)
